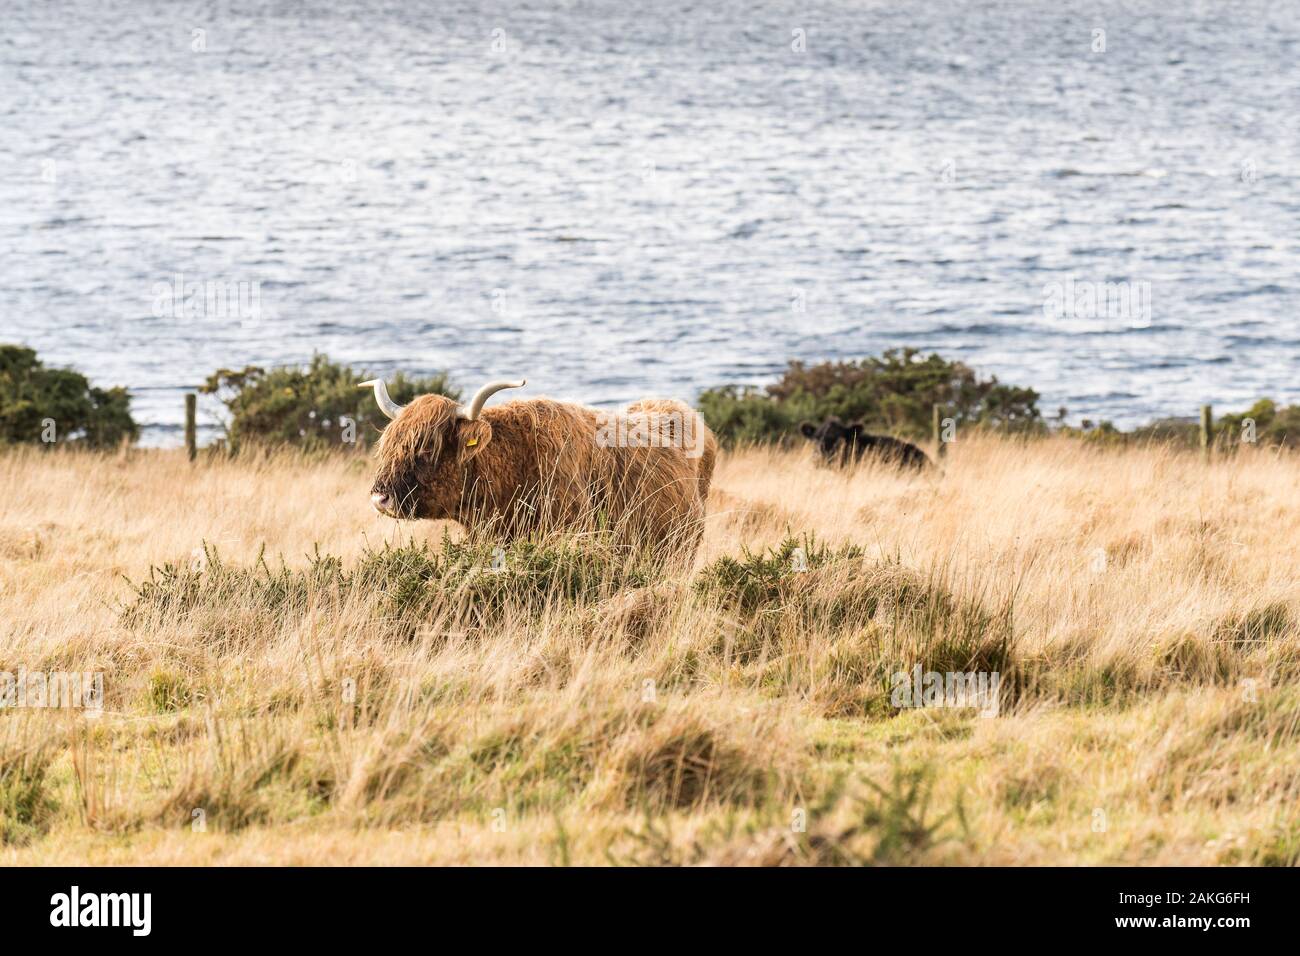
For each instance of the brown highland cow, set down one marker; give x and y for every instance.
(540, 465)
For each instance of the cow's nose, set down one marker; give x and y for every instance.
(381, 502)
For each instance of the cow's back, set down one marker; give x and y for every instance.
(664, 473)
(645, 470)
(861, 443)
(693, 438)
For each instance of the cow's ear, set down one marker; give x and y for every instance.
(807, 429)
(472, 438)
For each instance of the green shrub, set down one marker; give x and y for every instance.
(475, 581)
(78, 413)
(470, 581)
(747, 415)
(758, 579)
(307, 406)
(893, 393)
(1273, 425)
(903, 618)
(177, 589)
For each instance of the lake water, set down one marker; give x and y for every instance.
(627, 199)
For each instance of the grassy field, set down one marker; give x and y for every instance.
(299, 681)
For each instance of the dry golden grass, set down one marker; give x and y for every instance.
(1141, 607)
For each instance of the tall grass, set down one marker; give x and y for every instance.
(289, 678)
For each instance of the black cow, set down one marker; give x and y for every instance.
(840, 444)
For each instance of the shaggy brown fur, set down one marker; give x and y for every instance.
(542, 465)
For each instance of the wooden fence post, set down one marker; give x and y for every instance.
(191, 437)
(936, 430)
(1207, 431)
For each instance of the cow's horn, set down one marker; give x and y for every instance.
(470, 411)
(386, 404)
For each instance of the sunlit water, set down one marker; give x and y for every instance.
(628, 199)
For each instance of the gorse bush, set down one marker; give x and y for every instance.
(1272, 425)
(474, 582)
(894, 392)
(469, 582)
(315, 407)
(37, 403)
(836, 588)
(767, 577)
(902, 618)
(178, 588)
(744, 414)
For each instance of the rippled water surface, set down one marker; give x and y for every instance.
(621, 199)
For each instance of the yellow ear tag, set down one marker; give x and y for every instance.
(471, 443)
